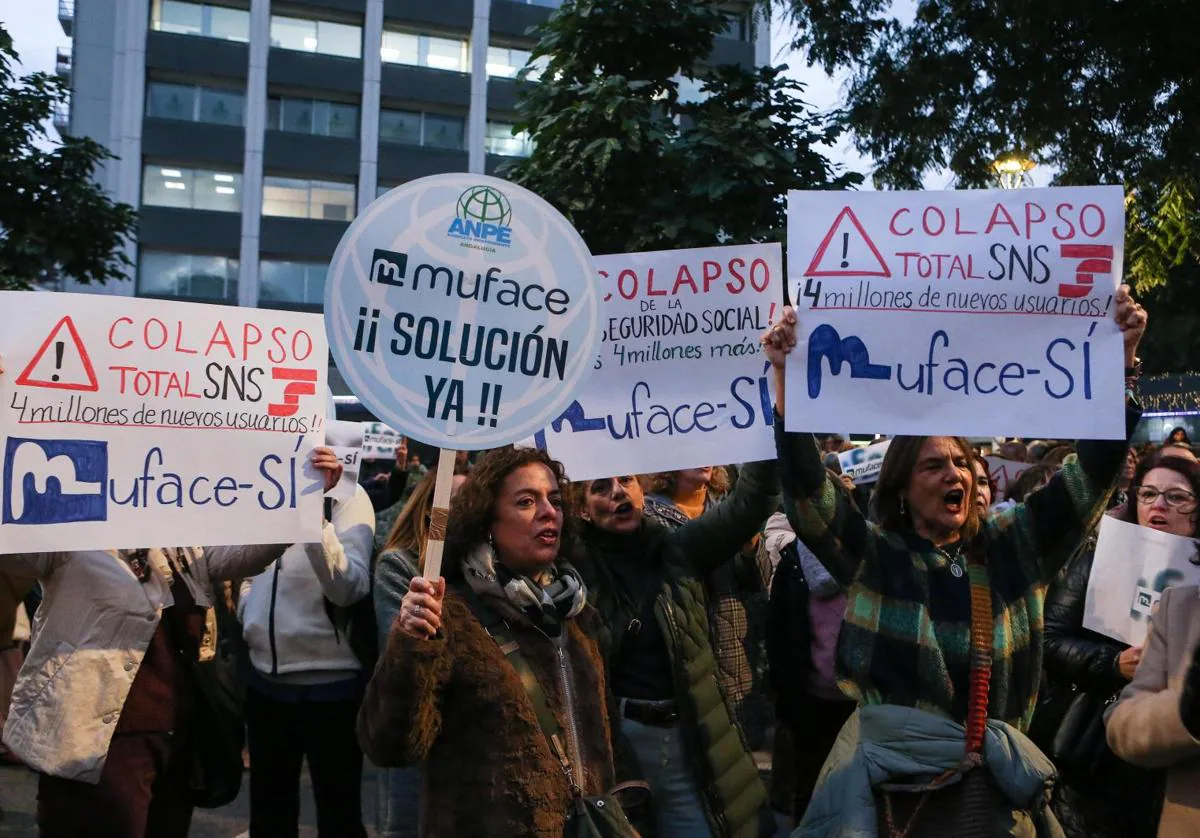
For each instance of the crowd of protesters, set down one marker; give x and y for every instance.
(907, 654)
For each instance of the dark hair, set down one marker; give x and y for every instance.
(1182, 430)
(898, 465)
(663, 482)
(1189, 470)
(472, 509)
(1056, 455)
(1028, 481)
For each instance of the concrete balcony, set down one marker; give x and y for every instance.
(62, 63)
(66, 17)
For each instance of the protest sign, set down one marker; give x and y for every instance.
(968, 312)
(463, 310)
(1133, 565)
(144, 423)
(345, 438)
(864, 464)
(379, 441)
(1002, 473)
(680, 379)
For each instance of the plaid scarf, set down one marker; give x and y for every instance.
(906, 638)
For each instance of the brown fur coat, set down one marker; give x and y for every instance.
(456, 704)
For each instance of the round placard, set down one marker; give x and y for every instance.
(463, 310)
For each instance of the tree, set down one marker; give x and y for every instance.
(634, 166)
(54, 218)
(1103, 91)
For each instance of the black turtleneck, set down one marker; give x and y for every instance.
(641, 665)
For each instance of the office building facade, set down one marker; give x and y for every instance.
(249, 133)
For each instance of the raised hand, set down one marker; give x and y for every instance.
(421, 609)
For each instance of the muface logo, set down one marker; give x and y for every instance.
(483, 215)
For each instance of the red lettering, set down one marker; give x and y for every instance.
(112, 330)
(994, 221)
(1083, 220)
(166, 335)
(892, 224)
(906, 257)
(296, 342)
(122, 370)
(683, 271)
(1070, 234)
(1030, 220)
(684, 278)
(607, 294)
(179, 338)
(958, 228)
(766, 274)
(247, 342)
(650, 292)
(925, 221)
(220, 338)
(627, 274)
(734, 264)
(712, 272)
(275, 336)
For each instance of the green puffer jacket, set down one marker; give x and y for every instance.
(732, 791)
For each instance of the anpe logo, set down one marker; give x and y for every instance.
(483, 215)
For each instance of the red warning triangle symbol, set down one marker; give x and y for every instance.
(67, 369)
(853, 254)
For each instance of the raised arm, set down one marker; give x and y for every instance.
(819, 508)
(718, 535)
(1145, 727)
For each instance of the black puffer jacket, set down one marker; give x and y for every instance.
(1075, 655)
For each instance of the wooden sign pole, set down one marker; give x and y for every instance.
(439, 516)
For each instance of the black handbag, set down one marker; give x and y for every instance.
(592, 816)
(1080, 744)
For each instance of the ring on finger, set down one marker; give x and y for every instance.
(417, 610)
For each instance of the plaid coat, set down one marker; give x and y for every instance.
(906, 636)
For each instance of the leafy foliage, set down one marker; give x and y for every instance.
(53, 216)
(636, 168)
(1104, 91)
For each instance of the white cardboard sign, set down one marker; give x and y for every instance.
(864, 464)
(1002, 473)
(463, 310)
(680, 378)
(969, 312)
(379, 441)
(1133, 565)
(143, 423)
(345, 438)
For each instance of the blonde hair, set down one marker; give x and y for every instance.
(412, 524)
(663, 483)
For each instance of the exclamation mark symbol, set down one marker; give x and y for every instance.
(496, 403)
(58, 356)
(771, 315)
(1108, 305)
(483, 403)
(845, 249)
(317, 421)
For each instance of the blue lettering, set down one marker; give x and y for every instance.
(825, 342)
(262, 469)
(1005, 374)
(1050, 359)
(225, 484)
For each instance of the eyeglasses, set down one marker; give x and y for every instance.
(1180, 500)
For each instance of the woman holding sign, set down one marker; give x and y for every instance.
(941, 645)
(480, 664)
(1098, 794)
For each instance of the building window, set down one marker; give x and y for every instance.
(194, 103)
(425, 51)
(321, 36)
(302, 198)
(506, 62)
(433, 130)
(201, 189)
(203, 277)
(738, 27)
(383, 188)
(203, 19)
(312, 116)
(292, 282)
(500, 139)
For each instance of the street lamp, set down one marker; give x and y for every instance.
(1012, 170)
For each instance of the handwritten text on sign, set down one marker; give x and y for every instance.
(982, 313)
(680, 380)
(136, 423)
(462, 310)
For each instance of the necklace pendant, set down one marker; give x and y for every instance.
(956, 571)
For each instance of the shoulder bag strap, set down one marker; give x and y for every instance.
(499, 630)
